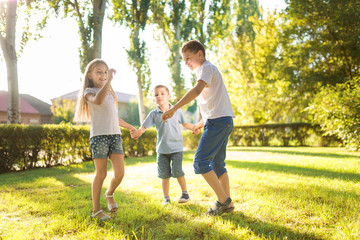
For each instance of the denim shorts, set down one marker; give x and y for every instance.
(103, 146)
(211, 152)
(163, 164)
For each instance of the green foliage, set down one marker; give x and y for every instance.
(23, 147)
(191, 141)
(297, 134)
(259, 89)
(90, 20)
(274, 66)
(326, 34)
(172, 18)
(33, 16)
(134, 15)
(63, 111)
(337, 108)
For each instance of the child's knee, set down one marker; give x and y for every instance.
(101, 175)
(177, 173)
(201, 166)
(119, 175)
(219, 170)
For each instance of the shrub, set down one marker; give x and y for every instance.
(265, 134)
(23, 147)
(337, 108)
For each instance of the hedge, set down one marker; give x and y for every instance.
(23, 147)
(296, 134)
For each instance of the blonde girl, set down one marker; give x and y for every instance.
(97, 102)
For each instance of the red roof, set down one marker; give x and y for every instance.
(24, 106)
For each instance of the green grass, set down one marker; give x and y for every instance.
(279, 193)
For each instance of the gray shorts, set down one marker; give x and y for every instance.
(103, 146)
(163, 164)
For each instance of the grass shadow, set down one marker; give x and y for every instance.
(286, 150)
(302, 171)
(257, 227)
(267, 230)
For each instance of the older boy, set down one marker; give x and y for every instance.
(169, 146)
(217, 114)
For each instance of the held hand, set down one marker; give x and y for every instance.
(168, 114)
(196, 131)
(197, 128)
(136, 134)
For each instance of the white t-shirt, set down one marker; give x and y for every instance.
(214, 100)
(104, 117)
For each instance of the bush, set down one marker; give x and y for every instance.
(23, 147)
(265, 134)
(337, 108)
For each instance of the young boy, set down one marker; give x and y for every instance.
(217, 114)
(169, 146)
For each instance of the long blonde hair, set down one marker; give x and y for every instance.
(82, 113)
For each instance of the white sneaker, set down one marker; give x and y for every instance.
(166, 201)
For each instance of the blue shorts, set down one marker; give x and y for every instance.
(103, 146)
(211, 152)
(163, 164)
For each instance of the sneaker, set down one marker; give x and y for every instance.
(166, 201)
(184, 198)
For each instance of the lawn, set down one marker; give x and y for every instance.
(279, 193)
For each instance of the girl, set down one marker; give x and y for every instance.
(98, 102)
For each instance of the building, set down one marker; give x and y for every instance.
(32, 110)
(123, 101)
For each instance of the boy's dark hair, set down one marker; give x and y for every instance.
(193, 46)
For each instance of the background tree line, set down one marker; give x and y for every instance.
(278, 66)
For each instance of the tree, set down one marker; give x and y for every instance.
(210, 21)
(173, 19)
(134, 14)
(8, 17)
(7, 40)
(90, 19)
(328, 34)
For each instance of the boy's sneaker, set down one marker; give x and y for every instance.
(184, 198)
(166, 201)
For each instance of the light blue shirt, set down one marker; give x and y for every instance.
(169, 137)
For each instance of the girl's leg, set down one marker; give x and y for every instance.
(100, 175)
(165, 183)
(117, 161)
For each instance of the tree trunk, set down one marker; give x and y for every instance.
(142, 113)
(99, 13)
(8, 48)
(179, 85)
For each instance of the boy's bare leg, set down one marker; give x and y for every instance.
(214, 183)
(225, 183)
(165, 186)
(182, 183)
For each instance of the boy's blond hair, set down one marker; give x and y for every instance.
(82, 113)
(193, 46)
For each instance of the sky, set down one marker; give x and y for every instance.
(49, 67)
